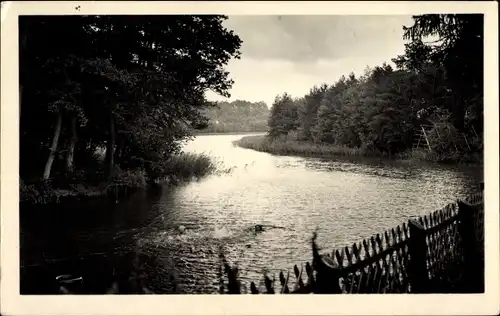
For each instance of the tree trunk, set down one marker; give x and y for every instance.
(71, 146)
(119, 148)
(110, 146)
(53, 147)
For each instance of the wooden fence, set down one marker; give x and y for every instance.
(442, 252)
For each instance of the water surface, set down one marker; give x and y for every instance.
(291, 196)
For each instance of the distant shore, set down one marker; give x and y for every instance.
(285, 146)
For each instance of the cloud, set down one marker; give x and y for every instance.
(309, 38)
(294, 53)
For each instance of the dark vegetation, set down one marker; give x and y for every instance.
(107, 101)
(236, 117)
(436, 84)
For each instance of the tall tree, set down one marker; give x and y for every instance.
(283, 116)
(308, 113)
(459, 48)
(117, 75)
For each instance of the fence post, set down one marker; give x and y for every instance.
(327, 281)
(417, 247)
(473, 279)
(327, 274)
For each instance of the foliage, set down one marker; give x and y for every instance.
(307, 112)
(283, 116)
(286, 145)
(382, 110)
(133, 85)
(188, 165)
(127, 178)
(237, 116)
(36, 192)
(456, 34)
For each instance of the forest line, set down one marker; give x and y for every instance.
(433, 98)
(134, 85)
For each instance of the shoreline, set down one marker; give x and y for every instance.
(181, 169)
(84, 191)
(228, 133)
(306, 149)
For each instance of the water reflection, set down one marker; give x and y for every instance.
(289, 196)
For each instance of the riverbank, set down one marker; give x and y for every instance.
(286, 146)
(228, 133)
(86, 184)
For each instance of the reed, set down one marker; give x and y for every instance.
(186, 165)
(179, 168)
(290, 146)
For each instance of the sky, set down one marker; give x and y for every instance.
(293, 53)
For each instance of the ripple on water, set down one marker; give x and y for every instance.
(345, 201)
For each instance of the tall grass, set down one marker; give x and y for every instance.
(289, 146)
(179, 168)
(433, 156)
(189, 166)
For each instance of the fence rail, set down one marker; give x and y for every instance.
(442, 252)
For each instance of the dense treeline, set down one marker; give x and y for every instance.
(237, 116)
(435, 84)
(132, 85)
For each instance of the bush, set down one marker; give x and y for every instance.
(68, 180)
(188, 165)
(134, 178)
(37, 192)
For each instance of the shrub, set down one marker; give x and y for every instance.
(133, 178)
(187, 165)
(37, 192)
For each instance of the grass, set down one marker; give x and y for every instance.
(189, 166)
(288, 146)
(472, 158)
(180, 168)
(200, 133)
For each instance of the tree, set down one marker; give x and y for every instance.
(307, 113)
(417, 56)
(132, 84)
(459, 48)
(283, 116)
(382, 110)
(329, 113)
(237, 116)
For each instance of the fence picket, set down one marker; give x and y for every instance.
(339, 258)
(426, 222)
(309, 272)
(399, 260)
(406, 231)
(367, 249)
(387, 240)
(253, 288)
(269, 285)
(284, 284)
(348, 255)
(395, 238)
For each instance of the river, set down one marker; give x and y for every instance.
(291, 196)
